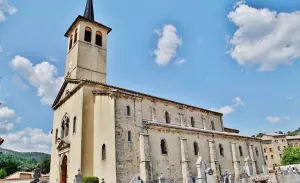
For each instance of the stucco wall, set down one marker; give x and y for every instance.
(277, 145)
(88, 59)
(72, 107)
(104, 137)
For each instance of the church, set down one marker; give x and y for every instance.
(116, 134)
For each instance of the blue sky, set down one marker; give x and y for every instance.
(240, 58)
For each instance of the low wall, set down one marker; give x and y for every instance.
(291, 166)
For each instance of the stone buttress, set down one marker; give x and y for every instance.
(214, 165)
(145, 164)
(236, 163)
(185, 163)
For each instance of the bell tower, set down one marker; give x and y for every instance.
(87, 47)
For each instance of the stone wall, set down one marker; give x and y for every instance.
(128, 156)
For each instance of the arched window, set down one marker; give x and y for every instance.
(129, 136)
(241, 151)
(265, 150)
(71, 42)
(62, 130)
(56, 135)
(74, 125)
(103, 152)
(278, 148)
(153, 113)
(98, 38)
(256, 151)
(75, 36)
(167, 116)
(221, 149)
(88, 34)
(192, 121)
(163, 147)
(213, 125)
(128, 110)
(196, 149)
(67, 128)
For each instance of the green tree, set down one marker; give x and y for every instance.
(8, 163)
(291, 156)
(3, 174)
(280, 132)
(45, 165)
(260, 135)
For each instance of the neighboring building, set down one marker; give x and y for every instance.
(274, 144)
(117, 134)
(21, 177)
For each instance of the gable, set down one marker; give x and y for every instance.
(65, 90)
(63, 145)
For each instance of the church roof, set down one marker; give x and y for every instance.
(80, 83)
(89, 10)
(85, 19)
(88, 16)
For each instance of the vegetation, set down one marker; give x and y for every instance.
(11, 162)
(90, 180)
(291, 156)
(260, 135)
(3, 174)
(289, 133)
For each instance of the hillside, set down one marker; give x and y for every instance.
(25, 155)
(12, 161)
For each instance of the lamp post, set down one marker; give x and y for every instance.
(1, 139)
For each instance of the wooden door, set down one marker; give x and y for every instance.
(64, 170)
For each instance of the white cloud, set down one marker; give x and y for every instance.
(230, 108)
(28, 140)
(180, 61)
(273, 119)
(7, 118)
(18, 81)
(52, 59)
(7, 113)
(5, 8)
(42, 76)
(264, 38)
(167, 45)
(4, 127)
(2, 16)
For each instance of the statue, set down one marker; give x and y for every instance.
(36, 176)
(1, 141)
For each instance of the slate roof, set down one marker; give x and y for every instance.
(89, 10)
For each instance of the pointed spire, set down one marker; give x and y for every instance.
(89, 10)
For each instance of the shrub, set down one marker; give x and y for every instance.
(90, 180)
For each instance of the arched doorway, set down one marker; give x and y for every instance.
(64, 170)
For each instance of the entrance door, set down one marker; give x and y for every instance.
(64, 170)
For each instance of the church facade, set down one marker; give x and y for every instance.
(116, 134)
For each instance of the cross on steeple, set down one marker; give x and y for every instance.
(89, 10)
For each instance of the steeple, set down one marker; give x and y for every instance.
(89, 10)
(86, 58)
